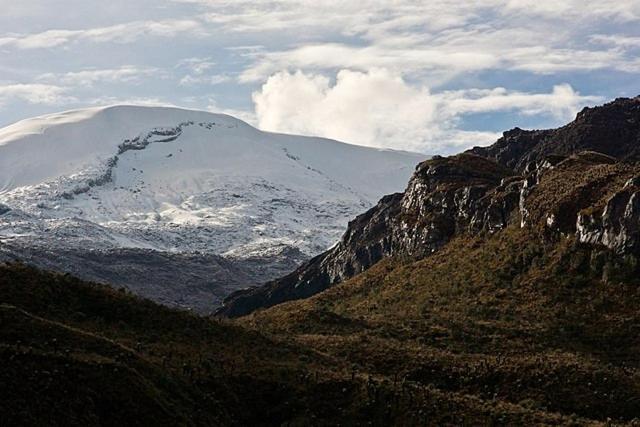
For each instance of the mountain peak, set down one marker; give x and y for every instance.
(129, 180)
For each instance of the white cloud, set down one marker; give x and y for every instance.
(88, 78)
(120, 33)
(378, 108)
(33, 94)
(212, 80)
(616, 40)
(197, 66)
(375, 108)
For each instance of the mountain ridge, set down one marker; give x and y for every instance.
(447, 196)
(593, 129)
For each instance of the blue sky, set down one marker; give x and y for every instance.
(436, 77)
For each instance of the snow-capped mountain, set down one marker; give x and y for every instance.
(134, 182)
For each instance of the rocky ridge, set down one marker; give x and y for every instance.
(485, 189)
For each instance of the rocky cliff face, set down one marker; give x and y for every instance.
(575, 179)
(617, 226)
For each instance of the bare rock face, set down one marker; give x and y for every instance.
(617, 226)
(556, 189)
(533, 173)
(550, 179)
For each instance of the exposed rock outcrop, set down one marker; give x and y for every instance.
(617, 226)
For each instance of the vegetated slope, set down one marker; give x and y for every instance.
(75, 353)
(474, 192)
(115, 182)
(543, 316)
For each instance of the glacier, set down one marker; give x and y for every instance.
(177, 205)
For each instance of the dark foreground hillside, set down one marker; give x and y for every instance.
(73, 353)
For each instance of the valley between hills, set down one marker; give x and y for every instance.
(500, 288)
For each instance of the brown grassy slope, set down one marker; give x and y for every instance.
(521, 317)
(494, 319)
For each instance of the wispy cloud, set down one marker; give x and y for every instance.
(435, 38)
(195, 65)
(120, 33)
(562, 102)
(34, 94)
(616, 40)
(212, 80)
(200, 71)
(114, 100)
(88, 78)
(621, 11)
(452, 53)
